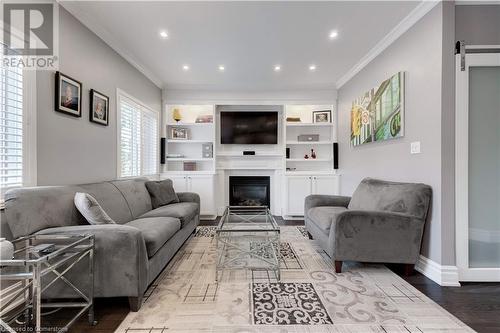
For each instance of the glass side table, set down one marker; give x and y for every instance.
(33, 270)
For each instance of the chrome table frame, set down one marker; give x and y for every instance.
(248, 225)
(30, 275)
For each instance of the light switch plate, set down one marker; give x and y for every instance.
(415, 147)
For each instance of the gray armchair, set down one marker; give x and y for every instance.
(382, 222)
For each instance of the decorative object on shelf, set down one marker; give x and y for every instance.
(208, 118)
(99, 108)
(369, 124)
(288, 153)
(6, 249)
(306, 156)
(293, 119)
(291, 169)
(175, 156)
(313, 153)
(179, 133)
(322, 116)
(207, 150)
(308, 137)
(68, 95)
(176, 115)
(189, 166)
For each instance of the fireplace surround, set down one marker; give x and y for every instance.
(249, 191)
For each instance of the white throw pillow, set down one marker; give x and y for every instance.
(91, 210)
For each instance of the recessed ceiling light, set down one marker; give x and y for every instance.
(277, 68)
(312, 67)
(333, 34)
(185, 67)
(222, 68)
(163, 34)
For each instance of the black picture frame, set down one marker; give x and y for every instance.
(94, 116)
(328, 114)
(68, 101)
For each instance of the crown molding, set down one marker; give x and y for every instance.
(403, 26)
(109, 39)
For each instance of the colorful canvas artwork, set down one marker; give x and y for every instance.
(378, 114)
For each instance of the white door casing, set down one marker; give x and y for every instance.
(466, 273)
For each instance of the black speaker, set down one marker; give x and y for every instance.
(288, 153)
(335, 155)
(163, 143)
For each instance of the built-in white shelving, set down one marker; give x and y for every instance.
(200, 138)
(327, 142)
(324, 133)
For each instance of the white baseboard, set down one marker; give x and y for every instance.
(446, 276)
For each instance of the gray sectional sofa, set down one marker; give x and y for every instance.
(382, 222)
(129, 255)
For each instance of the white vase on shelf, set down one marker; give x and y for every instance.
(6, 249)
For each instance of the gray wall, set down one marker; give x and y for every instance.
(478, 24)
(418, 52)
(73, 150)
(448, 136)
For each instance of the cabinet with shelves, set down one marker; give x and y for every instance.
(197, 183)
(322, 135)
(297, 188)
(190, 138)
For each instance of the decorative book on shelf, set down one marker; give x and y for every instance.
(205, 119)
(293, 119)
(189, 166)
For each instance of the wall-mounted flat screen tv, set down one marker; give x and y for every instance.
(249, 128)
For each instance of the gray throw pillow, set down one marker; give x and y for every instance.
(88, 206)
(162, 193)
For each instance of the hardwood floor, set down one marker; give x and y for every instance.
(476, 304)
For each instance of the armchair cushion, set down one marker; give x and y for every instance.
(184, 211)
(377, 236)
(381, 195)
(156, 231)
(323, 216)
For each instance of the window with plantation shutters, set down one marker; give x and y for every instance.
(138, 139)
(11, 128)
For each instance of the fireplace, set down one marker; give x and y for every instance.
(249, 191)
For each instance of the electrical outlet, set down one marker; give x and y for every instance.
(415, 147)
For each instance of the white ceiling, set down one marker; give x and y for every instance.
(248, 38)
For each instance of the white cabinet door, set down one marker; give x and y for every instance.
(297, 188)
(325, 185)
(204, 186)
(180, 183)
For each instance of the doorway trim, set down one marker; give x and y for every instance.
(472, 59)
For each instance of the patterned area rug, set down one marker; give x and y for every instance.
(310, 297)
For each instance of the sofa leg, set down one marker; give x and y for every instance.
(309, 235)
(409, 269)
(338, 266)
(135, 303)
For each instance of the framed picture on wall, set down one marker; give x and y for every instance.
(99, 108)
(68, 95)
(322, 116)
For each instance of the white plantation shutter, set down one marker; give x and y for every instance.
(138, 139)
(149, 142)
(11, 127)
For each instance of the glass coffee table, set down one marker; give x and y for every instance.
(247, 239)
